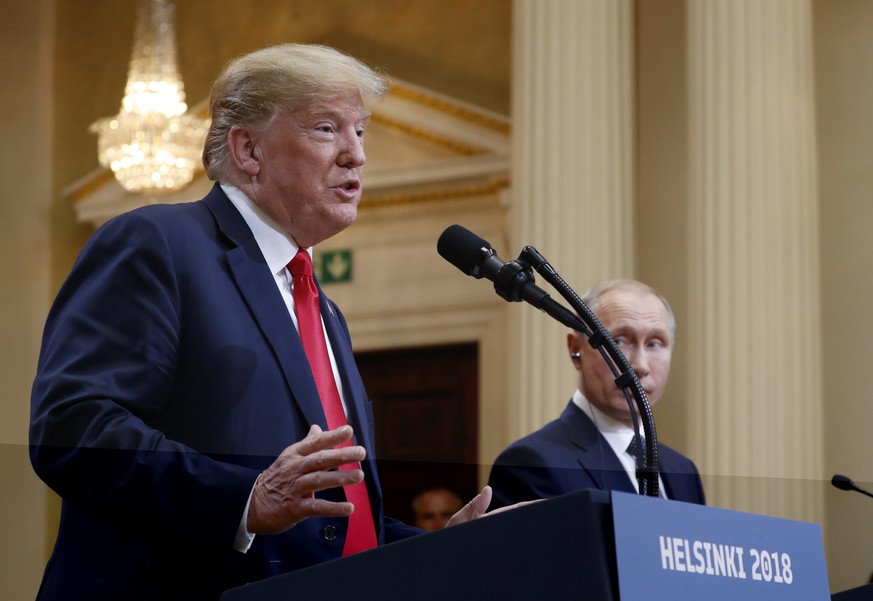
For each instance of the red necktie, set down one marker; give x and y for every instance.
(362, 532)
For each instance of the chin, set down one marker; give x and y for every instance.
(337, 221)
(345, 221)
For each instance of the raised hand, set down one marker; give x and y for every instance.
(284, 493)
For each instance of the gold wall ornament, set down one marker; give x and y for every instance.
(152, 145)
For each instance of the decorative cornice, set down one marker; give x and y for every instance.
(422, 134)
(103, 177)
(449, 108)
(381, 201)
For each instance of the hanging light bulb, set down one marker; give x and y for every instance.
(152, 145)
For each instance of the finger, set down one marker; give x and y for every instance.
(477, 506)
(313, 482)
(321, 508)
(271, 515)
(482, 500)
(511, 507)
(318, 440)
(330, 459)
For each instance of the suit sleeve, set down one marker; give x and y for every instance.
(109, 355)
(681, 477)
(523, 473)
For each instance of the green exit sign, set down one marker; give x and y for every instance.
(335, 266)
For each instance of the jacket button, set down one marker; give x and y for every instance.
(328, 533)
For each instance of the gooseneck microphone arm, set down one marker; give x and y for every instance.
(600, 340)
(514, 282)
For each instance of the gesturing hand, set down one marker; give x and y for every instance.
(478, 505)
(473, 510)
(284, 494)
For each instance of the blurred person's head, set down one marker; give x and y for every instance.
(434, 507)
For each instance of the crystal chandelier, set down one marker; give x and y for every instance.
(152, 145)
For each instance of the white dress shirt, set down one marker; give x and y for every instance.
(618, 435)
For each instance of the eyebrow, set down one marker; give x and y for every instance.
(627, 328)
(327, 112)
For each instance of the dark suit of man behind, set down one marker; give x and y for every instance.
(174, 409)
(581, 448)
(569, 454)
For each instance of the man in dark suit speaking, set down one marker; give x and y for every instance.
(197, 404)
(587, 446)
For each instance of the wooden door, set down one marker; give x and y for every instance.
(425, 403)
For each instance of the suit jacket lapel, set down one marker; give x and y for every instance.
(595, 455)
(345, 362)
(355, 400)
(255, 283)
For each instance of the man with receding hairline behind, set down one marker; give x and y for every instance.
(587, 446)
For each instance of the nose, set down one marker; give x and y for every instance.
(639, 360)
(352, 152)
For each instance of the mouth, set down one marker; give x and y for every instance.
(349, 189)
(350, 186)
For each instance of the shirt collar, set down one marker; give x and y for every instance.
(604, 422)
(618, 434)
(277, 247)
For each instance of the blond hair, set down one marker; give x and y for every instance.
(255, 87)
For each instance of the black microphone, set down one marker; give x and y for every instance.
(468, 252)
(845, 483)
(513, 280)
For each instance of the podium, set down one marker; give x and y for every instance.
(552, 550)
(596, 545)
(861, 593)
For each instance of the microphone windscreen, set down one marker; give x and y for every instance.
(462, 248)
(842, 482)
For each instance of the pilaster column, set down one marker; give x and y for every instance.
(572, 177)
(754, 329)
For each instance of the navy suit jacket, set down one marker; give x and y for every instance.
(170, 376)
(569, 454)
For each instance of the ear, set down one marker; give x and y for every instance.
(574, 348)
(241, 144)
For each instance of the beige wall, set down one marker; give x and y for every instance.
(843, 47)
(25, 191)
(844, 84)
(460, 48)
